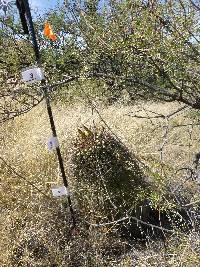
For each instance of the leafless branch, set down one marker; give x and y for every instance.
(192, 203)
(129, 218)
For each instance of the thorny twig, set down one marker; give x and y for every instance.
(135, 219)
(17, 105)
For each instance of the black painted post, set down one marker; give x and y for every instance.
(49, 110)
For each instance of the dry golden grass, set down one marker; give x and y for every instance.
(35, 229)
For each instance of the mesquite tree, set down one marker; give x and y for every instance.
(148, 48)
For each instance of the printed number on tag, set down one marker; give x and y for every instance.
(32, 75)
(52, 143)
(60, 191)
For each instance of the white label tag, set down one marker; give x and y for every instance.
(32, 75)
(53, 143)
(60, 191)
